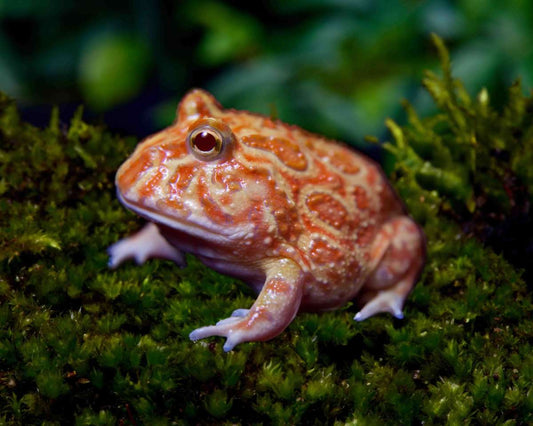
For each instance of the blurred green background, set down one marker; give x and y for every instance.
(337, 67)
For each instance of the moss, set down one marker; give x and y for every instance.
(81, 344)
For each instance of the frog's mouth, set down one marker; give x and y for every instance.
(194, 226)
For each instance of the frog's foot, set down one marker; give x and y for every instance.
(260, 326)
(272, 312)
(145, 244)
(400, 250)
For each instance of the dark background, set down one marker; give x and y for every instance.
(337, 67)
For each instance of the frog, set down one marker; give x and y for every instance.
(309, 223)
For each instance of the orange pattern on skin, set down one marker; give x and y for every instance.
(173, 151)
(342, 160)
(174, 204)
(312, 226)
(287, 151)
(210, 206)
(309, 222)
(154, 182)
(322, 253)
(371, 176)
(327, 208)
(136, 169)
(361, 198)
(279, 286)
(181, 179)
(323, 177)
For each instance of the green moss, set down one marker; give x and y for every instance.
(81, 344)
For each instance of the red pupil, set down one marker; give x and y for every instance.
(205, 141)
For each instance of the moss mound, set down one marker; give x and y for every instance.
(80, 344)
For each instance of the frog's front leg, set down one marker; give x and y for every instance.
(398, 252)
(274, 309)
(145, 244)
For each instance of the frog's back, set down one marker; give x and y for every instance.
(338, 198)
(333, 186)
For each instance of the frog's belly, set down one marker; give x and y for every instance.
(323, 288)
(320, 296)
(316, 297)
(254, 277)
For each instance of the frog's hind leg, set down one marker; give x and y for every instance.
(400, 249)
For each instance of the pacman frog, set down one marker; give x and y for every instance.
(309, 223)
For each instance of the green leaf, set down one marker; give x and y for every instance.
(112, 69)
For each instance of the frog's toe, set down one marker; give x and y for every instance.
(235, 317)
(225, 328)
(203, 332)
(240, 313)
(118, 253)
(386, 301)
(233, 340)
(229, 320)
(221, 328)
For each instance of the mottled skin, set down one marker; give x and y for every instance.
(309, 223)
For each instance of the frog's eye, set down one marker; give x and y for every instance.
(207, 142)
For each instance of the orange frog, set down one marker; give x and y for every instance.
(307, 222)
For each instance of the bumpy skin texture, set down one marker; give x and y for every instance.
(309, 223)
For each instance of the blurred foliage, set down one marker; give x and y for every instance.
(81, 344)
(335, 67)
(112, 70)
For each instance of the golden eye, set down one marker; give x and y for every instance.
(206, 142)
